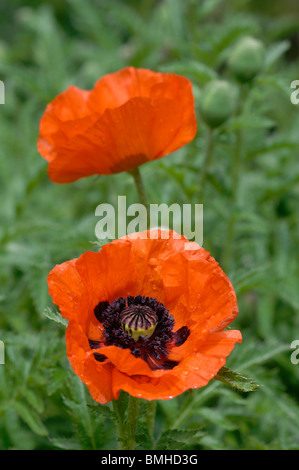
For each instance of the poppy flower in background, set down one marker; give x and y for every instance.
(129, 118)
(147, 315)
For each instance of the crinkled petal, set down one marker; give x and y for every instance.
(66, 288)
(97, 376)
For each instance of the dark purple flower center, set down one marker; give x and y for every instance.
(142, 324)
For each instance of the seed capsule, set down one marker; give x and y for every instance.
(138, 320)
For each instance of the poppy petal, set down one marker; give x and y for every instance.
(63, 118)
(66, 288)
(97, 376)
(195, 372)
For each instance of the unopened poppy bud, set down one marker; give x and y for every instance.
(217, 103)
(247, 59)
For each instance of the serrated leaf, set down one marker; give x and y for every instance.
(102, 410)
(175, 439)
(143, 438)
(55, 316)
(236, 380)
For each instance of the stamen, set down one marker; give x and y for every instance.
(96, 345)
(181, 335)
(143, 325)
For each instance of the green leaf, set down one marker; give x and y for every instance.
(37, 282)
(66, 444)
(250, 122)
(283, 401)
(246, 279)
(207, 7)
(276, 51)
(175, 439)
(199, 72)
(33, 399)
(275, 82)
(87, 424)
(56, 380)
(55, 316)
(216, 416)
(273, 146)
(236, 380)
(122, 403)
(143, 438)
(102, 410)
(255, 354)
(30, 418)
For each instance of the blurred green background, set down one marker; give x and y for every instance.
(44, 47)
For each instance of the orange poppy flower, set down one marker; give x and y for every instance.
(129, 118)
(146, 315)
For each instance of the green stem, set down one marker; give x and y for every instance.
(236, 174)
(207, 160)
(237, 164)
(127, 428)
(150, 416)
(131, 424)
(139, 186)
(120, 422)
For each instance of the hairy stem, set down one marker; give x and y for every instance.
(236, 176)
(234, 199)
(131, 424)
(120, 422)
(139, 186)
(207, 160)
(151, 415)
(127, 427)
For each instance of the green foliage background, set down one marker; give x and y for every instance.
(44, 47)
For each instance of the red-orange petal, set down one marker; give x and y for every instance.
(195, 372)
(97, 376)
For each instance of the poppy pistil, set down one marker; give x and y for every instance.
(138, 320)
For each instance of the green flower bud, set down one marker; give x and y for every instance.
(247, 59)
(217, 103)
